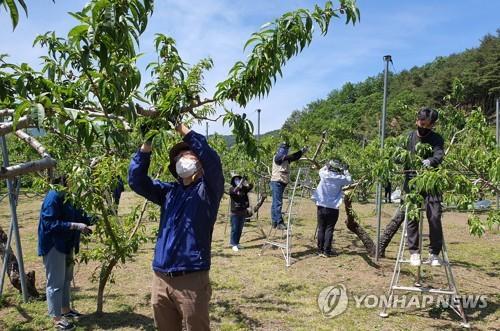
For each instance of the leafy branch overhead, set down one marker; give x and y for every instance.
(274, 45)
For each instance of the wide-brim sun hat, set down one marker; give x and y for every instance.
(233, 180)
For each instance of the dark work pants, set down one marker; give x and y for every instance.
(237, 222)
(327, 218)
(387, 193)
(433, 211)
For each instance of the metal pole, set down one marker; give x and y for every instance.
(206, 130)
(498, 131)
(14, 224)
(387, 59)
(258, 124)
(258, 163)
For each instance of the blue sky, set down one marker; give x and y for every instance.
(413, 32)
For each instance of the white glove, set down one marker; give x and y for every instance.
(426, 163)
(83, 228)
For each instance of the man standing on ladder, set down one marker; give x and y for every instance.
(279, 179)
(426, 118)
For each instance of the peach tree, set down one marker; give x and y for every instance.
(88, 100)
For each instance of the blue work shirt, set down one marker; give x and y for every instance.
(56, 216)
(188, 213)
(329, 191)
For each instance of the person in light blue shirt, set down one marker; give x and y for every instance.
(328, 197)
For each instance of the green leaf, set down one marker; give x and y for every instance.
(75, 34)
(14, 13)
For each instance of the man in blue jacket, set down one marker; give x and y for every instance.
(181, 288)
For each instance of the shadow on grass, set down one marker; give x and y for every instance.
(364, 256)
(447, 319)
(469, 266)
(310, 251)
(115, 320)
(228, 309)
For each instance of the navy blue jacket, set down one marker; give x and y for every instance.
(188, 213)
(282, 155)
(56, 217)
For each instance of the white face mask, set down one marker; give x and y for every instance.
(186, 167)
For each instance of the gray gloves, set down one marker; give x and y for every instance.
(426, 163)
(83, 228)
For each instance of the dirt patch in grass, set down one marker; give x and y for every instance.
(254, 291)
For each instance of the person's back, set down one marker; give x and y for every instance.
(328, 197)
(329, 191)
(280, 177)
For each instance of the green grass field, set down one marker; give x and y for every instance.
(254, 292)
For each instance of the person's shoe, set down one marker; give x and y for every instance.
(275, 225)
(415, 259)
(63, 324)
(281, 226)
(72, 314)
(321, 253)
(435, 260)
(331, 254)
(235, 248)
(239, 246)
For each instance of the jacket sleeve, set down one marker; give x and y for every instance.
(437, 152)
(293, 157)
(233, 193)
(347, 179)
(210, 161)
(280, 155)
(248, 188)
(50, 214)
(139, 181)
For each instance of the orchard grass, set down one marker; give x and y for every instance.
(252, 292)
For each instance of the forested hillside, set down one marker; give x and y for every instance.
(356, 108)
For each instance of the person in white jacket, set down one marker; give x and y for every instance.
(328, 197)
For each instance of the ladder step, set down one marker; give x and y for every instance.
(424, 289)
(274, 243)
(423, 262)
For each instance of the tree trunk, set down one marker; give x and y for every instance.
(103, 280)
(390, 230)
(13, 268)
(356, 228)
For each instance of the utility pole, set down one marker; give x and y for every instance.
(387, 59)
(258, 165)
(498, 132)
(206, 130)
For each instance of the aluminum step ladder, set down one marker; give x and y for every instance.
(451, 292)
(283, 241)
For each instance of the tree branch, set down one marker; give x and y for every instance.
(33, 143)
(453, 140)
(8, 127)
(27, 167)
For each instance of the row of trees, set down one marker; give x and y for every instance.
(476, 72)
